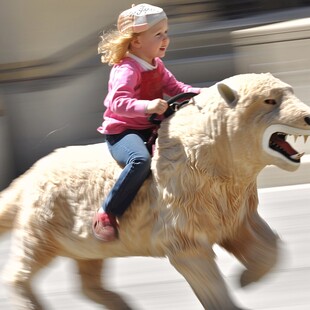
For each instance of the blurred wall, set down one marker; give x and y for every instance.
(280, 48)
(6, 162)
(36, 29)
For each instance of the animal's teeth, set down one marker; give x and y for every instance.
(297, 156)
(295, 138)
(305, 138)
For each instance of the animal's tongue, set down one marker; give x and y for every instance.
(283, 145)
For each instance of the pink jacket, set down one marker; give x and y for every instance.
(125, 109)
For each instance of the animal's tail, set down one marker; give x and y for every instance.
(9, 206)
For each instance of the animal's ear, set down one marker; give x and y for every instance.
(228, 94)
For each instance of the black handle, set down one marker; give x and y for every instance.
(171, 109)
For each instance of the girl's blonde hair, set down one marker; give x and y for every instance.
(114, 46)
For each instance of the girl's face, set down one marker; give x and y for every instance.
(152, 43)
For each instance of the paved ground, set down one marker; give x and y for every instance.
(152, 284)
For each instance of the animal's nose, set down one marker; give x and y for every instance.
(307, 120)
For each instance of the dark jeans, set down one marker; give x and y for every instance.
(129, 150)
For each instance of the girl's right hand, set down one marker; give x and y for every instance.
(157, 106)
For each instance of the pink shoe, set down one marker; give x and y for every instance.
(105, 227)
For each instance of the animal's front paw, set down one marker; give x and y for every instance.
(247, 277)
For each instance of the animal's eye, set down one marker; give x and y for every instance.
(270, 101)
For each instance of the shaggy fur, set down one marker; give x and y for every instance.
(202, 191)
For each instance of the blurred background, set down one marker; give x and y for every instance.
(52, 83)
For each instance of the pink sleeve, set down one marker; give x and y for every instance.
(173, 86)
(121, 97)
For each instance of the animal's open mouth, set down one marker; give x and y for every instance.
(276, 144)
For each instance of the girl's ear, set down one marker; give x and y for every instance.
(136, 42)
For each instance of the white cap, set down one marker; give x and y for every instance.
(140, 18)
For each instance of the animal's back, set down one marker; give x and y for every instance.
(70, 172)
(60, 194)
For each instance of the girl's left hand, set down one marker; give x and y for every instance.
(157, 106)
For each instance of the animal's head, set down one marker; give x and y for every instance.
(255, 113)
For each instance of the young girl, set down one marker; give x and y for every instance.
(138, 81)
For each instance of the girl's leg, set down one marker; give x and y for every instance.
(130, 152)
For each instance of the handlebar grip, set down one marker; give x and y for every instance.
(153, 119)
